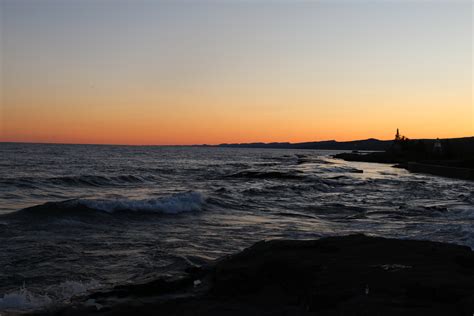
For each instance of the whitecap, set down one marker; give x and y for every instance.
(174, 204)
(178, 203)
(24, 299)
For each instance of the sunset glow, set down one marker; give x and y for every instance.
(184, 72)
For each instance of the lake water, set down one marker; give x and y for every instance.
(76, 218)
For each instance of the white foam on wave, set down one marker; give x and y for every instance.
(177, 203)
(68, 289)
(24, 299)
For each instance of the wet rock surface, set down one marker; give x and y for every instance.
(349, 275)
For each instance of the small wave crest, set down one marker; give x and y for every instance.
(96, 180)
(77, 181)
(24, 299)
(341, 169)
(174, 204)
(461, 211)
(271, 175)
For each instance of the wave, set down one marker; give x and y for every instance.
(342, 169)
(24, 299)
(274, 175)
(461, 211)
(94, 180)
(82, 180)
(313, 160)
(174, 204)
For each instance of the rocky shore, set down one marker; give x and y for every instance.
(349, 275)
(463, 170)
(452, 158)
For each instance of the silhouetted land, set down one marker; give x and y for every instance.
(366, 144)
(351, 275)
(445, 157)
(454, 159)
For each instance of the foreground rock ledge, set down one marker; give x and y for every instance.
(351, 275)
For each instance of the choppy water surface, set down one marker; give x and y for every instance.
(115, 214)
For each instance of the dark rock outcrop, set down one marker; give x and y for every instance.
(351, 275)
(463, 169)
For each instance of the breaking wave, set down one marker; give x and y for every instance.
(24, 299)
(174, 204)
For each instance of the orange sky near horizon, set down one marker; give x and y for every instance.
(158, 73)
(181, 126)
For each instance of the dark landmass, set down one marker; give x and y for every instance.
(367, 144)
(455, 157)
(445, 157)
(351, 275)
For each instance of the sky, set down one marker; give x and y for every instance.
(195, 72)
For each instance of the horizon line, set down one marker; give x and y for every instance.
(211, 145)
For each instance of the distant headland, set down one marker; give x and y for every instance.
(449, 157)
(371, 144)
(453, 157)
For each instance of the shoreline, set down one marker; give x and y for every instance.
(426, 167)
(345, 275)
